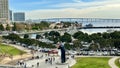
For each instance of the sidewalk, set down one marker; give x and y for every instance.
(42, 63)
(111, 62)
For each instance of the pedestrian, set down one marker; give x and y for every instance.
(46, 55)
(25, 65)
(42, 56)
(46, 60)
(51, 61)
(68, 66)
(37, 64)
(53, 58)
(32, 66)
(18, 63)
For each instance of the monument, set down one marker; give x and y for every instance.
(62, 49)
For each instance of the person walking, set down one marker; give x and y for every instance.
(46, 60)
(25, 65)
(37, 64)
(53, 58)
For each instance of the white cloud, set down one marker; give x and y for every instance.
(106, 11)
(80, 4)
(103, 9)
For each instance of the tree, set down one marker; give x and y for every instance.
(44, 24)
(38, 36)
(13, 37)
(8, 27)
(68, 46)
(77, 44)
(106, 35)
(115, 35)
(116, 43)
(14, 27)
(82, 36)
(93, 47)
(77, 34)
(54, 36)
(66, 38)
(66, 24)
(35, 28)
(41, 25)
(28, 26)
(46, 34)
(54, 33)
(95, 37)
(26, 36)
(1, 27)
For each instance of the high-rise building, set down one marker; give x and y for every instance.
(10, 15)
(4, 12)
(19, 17)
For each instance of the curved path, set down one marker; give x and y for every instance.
(111, 62)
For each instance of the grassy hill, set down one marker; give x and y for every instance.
(9, 50)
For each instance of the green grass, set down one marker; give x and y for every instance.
(10, 50)
(91, 62)
(117, 62)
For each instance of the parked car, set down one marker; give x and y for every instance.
(118, 53)
(91, 53)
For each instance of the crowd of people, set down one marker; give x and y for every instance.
(50, 60)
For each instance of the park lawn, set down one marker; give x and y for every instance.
(92, 62)
(10, 50)
(117, 62)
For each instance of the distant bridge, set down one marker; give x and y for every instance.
(82, 20)
(99, 27)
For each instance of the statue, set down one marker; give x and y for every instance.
(62, 48)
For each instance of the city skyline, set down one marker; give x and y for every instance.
(39, 9)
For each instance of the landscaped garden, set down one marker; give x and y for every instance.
(92, 62)
(9, 50)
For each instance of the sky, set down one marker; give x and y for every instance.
(41, 9)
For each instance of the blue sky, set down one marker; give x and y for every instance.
(41, 4)
(36, 9)
(36, 4)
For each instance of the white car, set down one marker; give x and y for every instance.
(91, 53)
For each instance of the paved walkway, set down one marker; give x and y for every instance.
(112, 62)
(42, 63)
